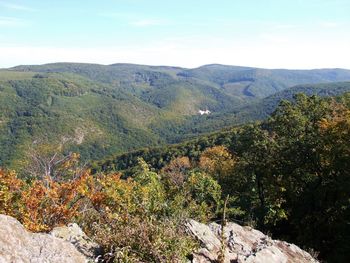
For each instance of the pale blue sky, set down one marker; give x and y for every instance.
(263, 33)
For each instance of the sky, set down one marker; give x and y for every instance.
(294, 34)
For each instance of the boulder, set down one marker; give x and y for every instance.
(242, 244)
(17, 245)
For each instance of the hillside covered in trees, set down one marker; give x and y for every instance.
(287, 175)
(99, 110)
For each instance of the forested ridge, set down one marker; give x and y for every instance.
(103, 110)
(287, 175)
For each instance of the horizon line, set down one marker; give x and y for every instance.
(171, 66)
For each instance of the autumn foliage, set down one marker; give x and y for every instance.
(288, 175)
(133, 219)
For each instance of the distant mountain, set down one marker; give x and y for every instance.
(98, 110)
(257, 82)
(263, 108)
(232, 80)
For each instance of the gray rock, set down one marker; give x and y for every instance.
(17, 245)
(242, 244)
(75, 235)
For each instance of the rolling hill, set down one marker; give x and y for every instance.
(158, 157)
(99, 110)
(261, 109)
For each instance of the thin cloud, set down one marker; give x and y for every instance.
(12, 22)
(329, 24)
(17, 7)
(275, 38)
(192, 53)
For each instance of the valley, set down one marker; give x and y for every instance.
(98, 110)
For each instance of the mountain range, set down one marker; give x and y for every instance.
(99, 110)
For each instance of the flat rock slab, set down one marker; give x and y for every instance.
(18, 245)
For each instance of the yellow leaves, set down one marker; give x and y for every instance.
(217, 161)
(338, 119)
(335, 135)
(46, 205)
(40, 205)
(35, 227)
(71, 161)
(10, 179)
(10, 187)
(114, 195)
(324, 124)
(43, 204)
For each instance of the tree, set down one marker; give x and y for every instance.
(48, 161)
(175, 174)
(218, 162)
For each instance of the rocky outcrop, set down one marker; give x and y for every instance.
(17, 245)
(242, 244)
(70, 244)
(74, 235)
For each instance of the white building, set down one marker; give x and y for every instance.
(202, 112)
